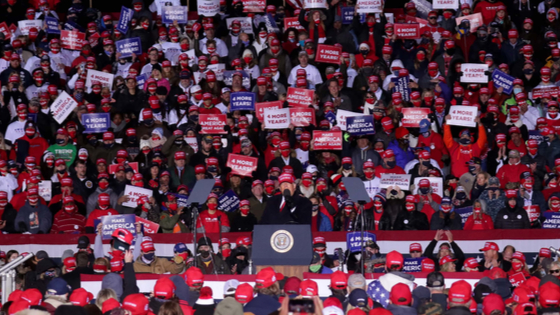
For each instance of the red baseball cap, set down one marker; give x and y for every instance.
(164, 288)
(549, 295)
(400, 294)
(460, 292)
(339, 280)
(244, 293)
(194, 277)
(471, 262)
(428, 265)
(394, 258)
(415, 247)
(266, 277)
(446, 259)
(137, 304)
(308, 288)
(489, 246)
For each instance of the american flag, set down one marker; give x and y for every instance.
(378, 293)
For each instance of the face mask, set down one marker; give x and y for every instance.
(472, 169)
(527, 71)
(244, 211)
(60, 141)
(173, 207)
(33, 200)
(450, 51)
(103, 185)
(61, 171)
(145, 25)
(149, 256)
(555, 206)
(464, 141)
(477, 210)
(410, 207)
(315, 268)
(547, 139)
(553, 114)
(517, 265)
(55, 50)
(247, 60)
(378, 206)
(109, 145)
(391, 164)
(212, 169)
(528, 186)
(364, 52)
(301, 43)
(461, 196)
(369, 174)
(212, 206)
(69, 209)
(204, 253)
(424, 190)
(30, 133)
(517, 91)
(446, 208)
(285, 153)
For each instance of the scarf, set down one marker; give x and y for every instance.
(320, 30)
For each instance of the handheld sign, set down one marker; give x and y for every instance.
(169, 14)
(328, 54)
(62, 106)
(465, 213)
(261, 107)
(254, 5)
(435, 182)
(370, 6)
(242, 101)
(400, 180)
(445, 4)
(52, 25)
(218, 69)
(97, 122)
(474, 73)
(124, 19)
(106, 79)
(327, 140)
(302, 117)
(413, 264)
(228, 202)
(129, 46)
(354, 240)
(299, 97)
(462, 116)
(539, 92)
(360, 125)
(342, 115)
(141, 80)
(5, 30)
(402, 86)
(114, 222)
(72, 40)
(208, 7)
(212, 124)
(242, 165)
(517, 279)
(475, 19)
(134, 193)
(277, 118)
(552, 220)
(150, 227)
(407, 31)
(293, 22)
(315, 4)
(413, 115)
(503, 80)
(26, 25)
(246, 24)
(45, 189)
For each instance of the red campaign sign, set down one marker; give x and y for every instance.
(242, 165)
(407, 31)
(292, 22)
(328, 54)
(299, 97)
(327, 140)
(553, 90)
(254, 5)
(13, 28)
(5, 29)
(533, 212)
(261, 107)
(212, 124)
(149, 226)
(412, 116)
(72, 40)
(113, 167)
(302, 117)
(517, 279)
(94, 40)
(413, 19)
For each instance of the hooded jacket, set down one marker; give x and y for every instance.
(446, 221)
(33, 219)
(385, 283)
(512, 218)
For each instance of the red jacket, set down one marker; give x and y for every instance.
(522, 149)
(37, 146)
(58, 198)
(19, 200)
(210, 221)
(213, 110)
(510, 173)
(484, 223)
(488, 10)
(97, 213)
(435, 143)
(461, 154)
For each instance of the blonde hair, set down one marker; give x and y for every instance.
(104, 295)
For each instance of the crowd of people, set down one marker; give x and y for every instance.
(57, 177)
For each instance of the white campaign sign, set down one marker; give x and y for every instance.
(474, 73)
(62, 107)
(246, 24)
(208, 7)
(462, 116)
(218, 69)
(445, 4)
(400, 180)
(435, 182)
(26, 25)
(277, 118)
(315, 4)
(45, 189)
(193, 142)
(134, 193)
(192, 57)
(341, 117)
(106, 79)
(370, 6)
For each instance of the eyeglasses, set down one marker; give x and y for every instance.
(554, 271)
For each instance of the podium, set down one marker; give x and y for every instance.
(286, 248)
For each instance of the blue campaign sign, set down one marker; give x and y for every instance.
(124, 20)
(331, 117)
(73, 26)
(129, 46)
(169, 14)
(348, 15)
(181, 200)
(413, 264)
(504, 80)
(96, 123)
(141, 79)
(360, 125)
(401, 85)
(32, 117)
(242, 101)
(52, 25)
(228, 202)
(536, 134)
(464, 213)
(353, 240)
(113, 222)
(552, 220)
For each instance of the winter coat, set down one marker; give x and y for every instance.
(550, 151)
(493, 205)
(446, 221)
(33, 219)
(379, 289)
(411, 220)
(92, 200)
(158, 266)
(216, 265)
(457, 152)
(359, 156)
(509, 218)
(401, 309)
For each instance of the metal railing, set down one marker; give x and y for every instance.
(8, 274)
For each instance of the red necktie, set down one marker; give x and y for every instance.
(282, 205)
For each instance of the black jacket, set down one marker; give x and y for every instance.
(457, 254)
(446, 221)
(458, 310)
(509, 218)
(504, 264)
(240, 223)
(411, 220)
(294, 163)
(300, 215)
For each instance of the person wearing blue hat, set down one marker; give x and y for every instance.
(446, 218)
(57, 294)
(434, 141)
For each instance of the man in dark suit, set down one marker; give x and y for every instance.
(287, 208)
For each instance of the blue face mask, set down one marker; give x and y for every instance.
(517, 90)
(79, 96)
(149, 256)
(301, 43)
(108, 53)
(246, 42)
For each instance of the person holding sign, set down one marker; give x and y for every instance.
(462, 151)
